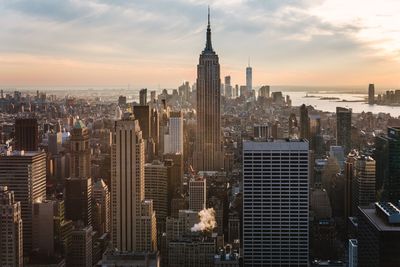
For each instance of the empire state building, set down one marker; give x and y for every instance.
(208, 155)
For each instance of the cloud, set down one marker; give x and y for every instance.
(278, 35)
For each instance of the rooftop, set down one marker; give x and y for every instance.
(276, 144)
(380, 223)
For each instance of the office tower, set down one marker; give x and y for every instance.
(101, 196)
(26, 134)
(173, 139)
(80, 249)
(378, 235)
(143, 97)
(353, 257)
(315, 137)
(261, 132)
(197, 194)
(249, 79)
(264, 91)
(43, 226)
(78, 200)
(304, 122)
(343, 128)
(10, 229)
(24, 173)
(371, 94)
(275, 203)
(174, 164)
(80, 151)
(156, 188)
(142, 115)
(208, 155)
(387, 164)
(349, 185)
(148, 227)
(364, 174)
(127, 183)
(228, 87)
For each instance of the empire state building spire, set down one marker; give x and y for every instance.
(208, 43)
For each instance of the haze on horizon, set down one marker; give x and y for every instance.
(156, 43)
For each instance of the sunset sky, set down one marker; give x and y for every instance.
(151, 43)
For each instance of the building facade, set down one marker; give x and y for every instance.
(24, 172)
(275, 203)
(197, 194)
(11, 245)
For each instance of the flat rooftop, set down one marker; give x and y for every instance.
(379, 222)
(276, 144)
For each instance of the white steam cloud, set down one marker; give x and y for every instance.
(207, 221)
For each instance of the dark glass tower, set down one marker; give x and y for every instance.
(304, 123)
(387, 156)
(26, 134)
(343, 128)
(208, 155)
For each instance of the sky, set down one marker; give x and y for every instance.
(156, 43)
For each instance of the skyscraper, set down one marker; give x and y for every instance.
(208, 155)
(364, 173)
(11, 247)
(156, 188)
(378, 235)
(228, 87)
(80, 250)
(101, 195)
(173, 140)
(343, 128)
(142, 115)
(143, 97)
(197, 194)
(304, 122)
(78, 199)
(127, 183)
(25, 173)
(264, 91)
(387, 156)
(249, 79)
(371, 94)
(26, 134)
(275, 203)
(80, 151)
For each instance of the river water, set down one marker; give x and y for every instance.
(299, 98)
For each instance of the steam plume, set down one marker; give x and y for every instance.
(207, 221)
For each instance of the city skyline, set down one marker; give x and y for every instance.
(99, 43)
